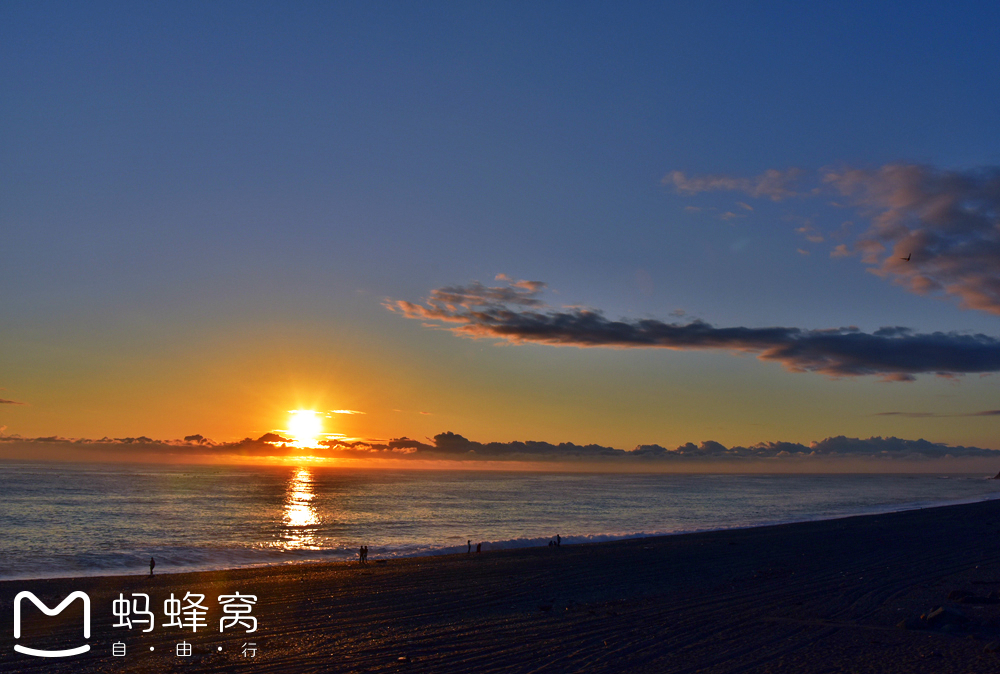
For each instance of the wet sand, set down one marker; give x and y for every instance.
(820, 597)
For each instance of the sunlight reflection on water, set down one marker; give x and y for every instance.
(300, 517)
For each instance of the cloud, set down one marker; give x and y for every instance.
(811, 234)
(892, 353)
(928, 415)
(946, 222)
(450, 299)
(143, 447)
(773, 184)
(454, 446)
(272, 438)
(10, 402)
(451, 302)
(345, 412)
(451, 446)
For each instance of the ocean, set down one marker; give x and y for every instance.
(98, 519)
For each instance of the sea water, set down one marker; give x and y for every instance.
(73, 519)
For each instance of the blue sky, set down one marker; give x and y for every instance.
(205, 206)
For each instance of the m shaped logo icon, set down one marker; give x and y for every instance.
(51, 612)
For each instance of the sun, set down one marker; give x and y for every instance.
(305, 427)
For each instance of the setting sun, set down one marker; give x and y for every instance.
(305, 426)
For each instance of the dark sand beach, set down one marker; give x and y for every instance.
(819, 597)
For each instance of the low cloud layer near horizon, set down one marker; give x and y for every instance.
(454, 447)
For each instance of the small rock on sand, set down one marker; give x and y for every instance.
(944, 615)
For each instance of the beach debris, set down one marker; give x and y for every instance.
(965, 597)
(942, 616)
(545, 607)
(402, 658)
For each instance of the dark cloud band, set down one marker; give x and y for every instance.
(934, 415)
(893, 353)
(453, 447)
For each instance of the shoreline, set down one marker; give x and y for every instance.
(812, 597)
(511, 544)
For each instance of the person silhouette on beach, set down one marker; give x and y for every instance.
(361, 555)
(366, 554)
(469, 551)
(558, 540)
(479, 548)
(152, 563)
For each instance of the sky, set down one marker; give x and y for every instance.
(604, 224)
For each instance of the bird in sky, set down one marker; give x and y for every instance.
(907, 258)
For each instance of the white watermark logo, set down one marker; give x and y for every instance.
(51, 612)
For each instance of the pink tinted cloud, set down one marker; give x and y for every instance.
(946, 222)
(772, 184)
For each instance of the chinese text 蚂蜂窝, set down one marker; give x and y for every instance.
(187, 613)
